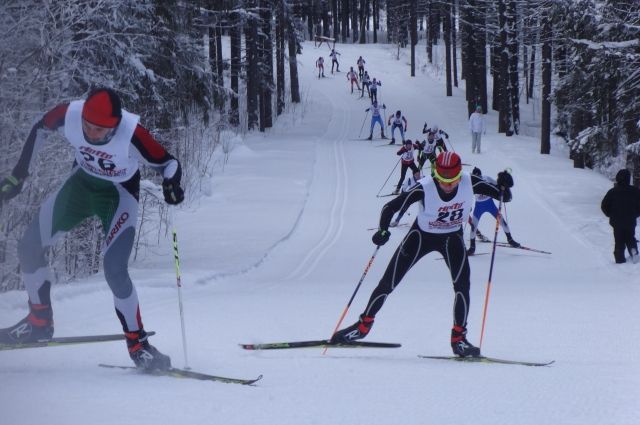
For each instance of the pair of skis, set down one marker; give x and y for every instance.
(172, 372)
(364, 344)
(483, 238)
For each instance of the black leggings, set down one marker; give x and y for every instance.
(415, 245)
(403, 173)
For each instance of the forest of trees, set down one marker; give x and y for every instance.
(580, 59)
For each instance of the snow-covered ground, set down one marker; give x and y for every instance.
(275, 252)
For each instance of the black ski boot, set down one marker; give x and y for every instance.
(382, 136)
(472, 247)
(370, 136)
(37, 326)
(393, 141)
(459, 344)
(482, 237)
(144, 355)
(358, 330)
(512, 242)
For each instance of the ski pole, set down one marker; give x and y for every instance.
(346, 309)
(363, 121)
(385, 182)
(493, 256)
(179, 285)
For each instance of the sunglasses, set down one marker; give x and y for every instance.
(446, 180)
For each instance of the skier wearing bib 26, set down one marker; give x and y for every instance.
(485, 204)
(104, 182)
(447, 199)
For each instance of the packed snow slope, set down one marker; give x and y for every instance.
(276, 248)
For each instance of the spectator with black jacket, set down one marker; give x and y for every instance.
(622, 205)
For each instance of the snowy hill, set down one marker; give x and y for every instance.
(276, 251)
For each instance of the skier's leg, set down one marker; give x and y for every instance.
(59, 213)
(403, 173)
(118, 212)
(119, 237)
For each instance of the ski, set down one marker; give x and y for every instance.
(472, 255)
(526, 248)
(189, 374)
(391, 227)
(483, 359)
(71, 340)
(388, 194)
(318, 343)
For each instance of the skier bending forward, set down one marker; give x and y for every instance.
(105, 183)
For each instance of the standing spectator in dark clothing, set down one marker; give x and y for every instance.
(622, 205)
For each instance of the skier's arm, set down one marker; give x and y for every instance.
(484, 187)
(401, 202)
(52, 120)
(154, 155)
(405, 123)
(401, 151)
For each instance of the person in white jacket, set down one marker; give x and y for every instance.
(477, 127)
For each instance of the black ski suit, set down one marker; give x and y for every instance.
(417, 243)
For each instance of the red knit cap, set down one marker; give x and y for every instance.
(448, 165)
(102, 108)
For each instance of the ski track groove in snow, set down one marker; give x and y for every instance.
(336, 218)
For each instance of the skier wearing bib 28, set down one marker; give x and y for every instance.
(447, 199)
(104, 182)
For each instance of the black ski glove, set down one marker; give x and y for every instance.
(381, 237)
(10, 187)
(505, 180)
(173, 193)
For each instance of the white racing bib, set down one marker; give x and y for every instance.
(110, 161)
(445, 217)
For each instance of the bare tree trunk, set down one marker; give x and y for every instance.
(266, 67)
(235, 34)
(514, 82)
(447, 45)
(545, 136)
(280, 81)
(345, 21)
(355, 15)
(251, 66)
(336, 22)
(364, 12)
(376, 19)
(293, 63)
(413, 31)
(454, 42)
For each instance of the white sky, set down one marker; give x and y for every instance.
(275, 250)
